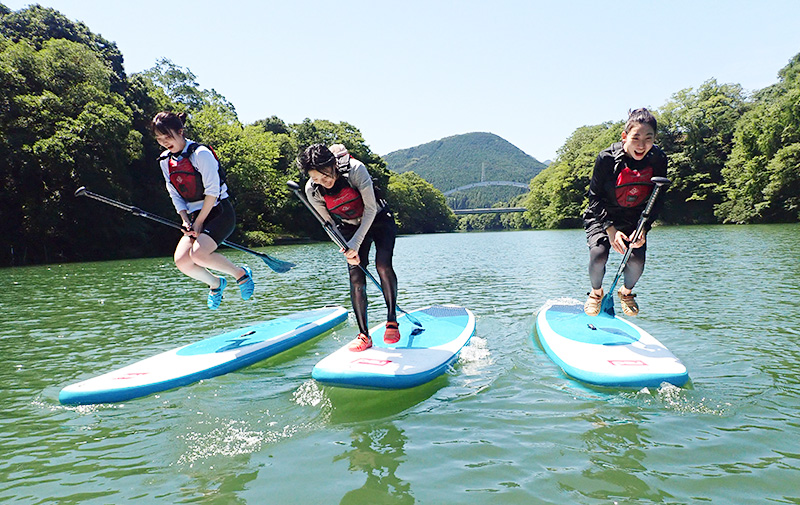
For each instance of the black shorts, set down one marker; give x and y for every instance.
(596, 235)
(383, 232)
(220, 221)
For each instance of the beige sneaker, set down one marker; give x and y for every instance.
(593, 304)
(629, 305)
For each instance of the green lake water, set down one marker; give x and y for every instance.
(504, 426)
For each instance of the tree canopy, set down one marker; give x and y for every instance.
(71, 117)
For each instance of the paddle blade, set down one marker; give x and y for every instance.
(607, 305)
(277, 265)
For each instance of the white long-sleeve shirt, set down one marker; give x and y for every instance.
(206, 163)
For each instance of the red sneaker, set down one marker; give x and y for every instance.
(392, 334)
(360, 343)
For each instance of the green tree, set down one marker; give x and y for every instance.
(557, 196)
(761, 174)
(696, 131)
(418, 206)
(63, 127)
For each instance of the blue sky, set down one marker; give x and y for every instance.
(410, 72)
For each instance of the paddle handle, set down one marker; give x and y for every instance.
(330, 229)
(660, 182)
(275, 264)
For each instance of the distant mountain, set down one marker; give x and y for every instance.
(459, 160)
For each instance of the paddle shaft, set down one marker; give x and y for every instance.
(339, 240)
(659, 183)
(274, 263)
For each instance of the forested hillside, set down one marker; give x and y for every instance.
(71, 117)
(462, 159)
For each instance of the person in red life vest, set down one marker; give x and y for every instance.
(618, 193)
(341, 190)
(198, 191)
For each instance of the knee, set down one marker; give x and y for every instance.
(183, 261)
(199, 255)
(384, 268)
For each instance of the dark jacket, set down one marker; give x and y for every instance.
(603, 206)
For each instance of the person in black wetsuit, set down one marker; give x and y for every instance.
(618, 193)
(340, 189)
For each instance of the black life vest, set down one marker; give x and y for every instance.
(185, 178)
(633, 187)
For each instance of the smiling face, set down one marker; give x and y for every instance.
(638, 141)
(322, 178)
(172, 140)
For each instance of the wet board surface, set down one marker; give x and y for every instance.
(605, 350)
(207, 358)
(414, 360)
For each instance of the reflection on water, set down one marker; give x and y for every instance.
(504, 425)
(377, 450)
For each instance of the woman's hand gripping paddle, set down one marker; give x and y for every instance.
(608, 300)
(275, 264)
(339, 240)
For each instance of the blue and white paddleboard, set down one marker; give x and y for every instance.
(605, 350)
(414, 360)
(207, 358)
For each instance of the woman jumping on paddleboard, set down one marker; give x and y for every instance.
(618, 193)
(341, 190)
(200, 196)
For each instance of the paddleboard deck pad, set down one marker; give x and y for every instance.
(605, 350)
(416, 359)
(207, 358)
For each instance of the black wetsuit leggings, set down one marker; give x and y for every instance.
(383, 232)
(599, 247)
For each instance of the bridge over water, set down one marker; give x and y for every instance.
(487, 210)
(487, 183)
(490, 210)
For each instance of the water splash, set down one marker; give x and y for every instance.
(228, 438)
(309, 394)
(475, 357)
(678, 400)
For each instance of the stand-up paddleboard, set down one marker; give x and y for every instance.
(605, 350)
(207, 358)
(416, 359)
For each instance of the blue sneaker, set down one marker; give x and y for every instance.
(215, 295)
(246, 284)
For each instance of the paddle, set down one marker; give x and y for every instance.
(608, 300)
(275, 264)
(339, 240)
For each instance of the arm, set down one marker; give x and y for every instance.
(597, 209)
(177, 200)
(317, 202)
(361, 180)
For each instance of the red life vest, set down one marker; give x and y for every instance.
(345, 203)
(185, 177)
(633, 186)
